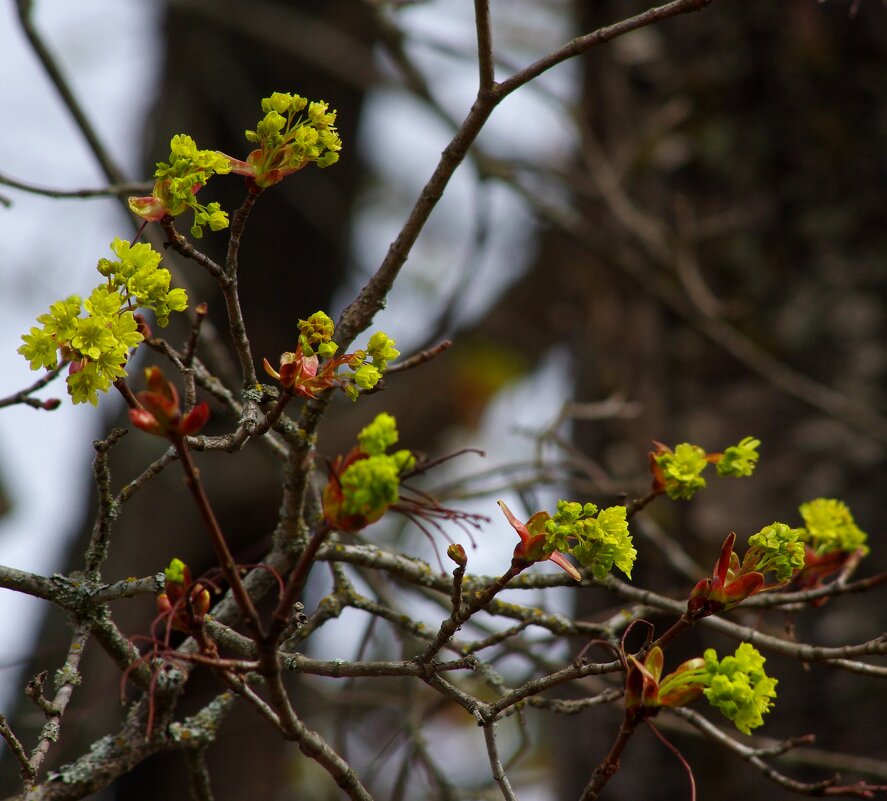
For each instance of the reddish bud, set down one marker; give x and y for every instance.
(655, 470)
(816, 567)
(457, 553)
(142, 326)
(641, 686)
(195, 420)
(727, 587)
(184, 603)
(146, 421)
(160, 413)
(532, 540)
(163, 604)
(148, 208)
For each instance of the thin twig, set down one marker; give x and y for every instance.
(99, 541)
(686, 765)
(236, 324)
(199, 785)
(485, 60)
(419, 358)
(464, 611)
(582, 44)
(499, 775)
(114, 190)
(18, 750)
(23, 395)
(827, 787)
(67, 678)
(112, 171)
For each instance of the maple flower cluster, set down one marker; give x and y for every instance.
(736, 685)
(287, 140)
(776, 548)
(313, 367)
(366, 482)
(96, 344)
(598, 538)
(739, 687)
(678, 472)
(177, 183)
(804, 556)
(829, 526)
(831, 538)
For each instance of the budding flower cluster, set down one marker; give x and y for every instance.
(776, 548)
(316, 335)
(302, 372)
(598, 538)
(366, 483)
(184, 602)
(739, 460)
(97, 344)
(739, 687)
(177, 184)
(288, 140)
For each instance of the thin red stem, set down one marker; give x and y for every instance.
(220, 544)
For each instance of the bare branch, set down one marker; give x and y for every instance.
(827, 787)
(115, 190)
(23, 395)
(499, 775)
(112, 171)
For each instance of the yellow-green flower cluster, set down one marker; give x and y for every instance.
(739, 687)
(737, 684)
(175, 572)
(175, 190)
(139, 280)
(316, 335)
(303, 373)
(370, 485)
(380, 350)
(378, 436)
(740, 460)
(288, 140)
(598, 538)
(776, 548)
(97, 345)
(830, 527)
(682, 470)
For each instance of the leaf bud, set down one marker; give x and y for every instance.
(457, 553)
